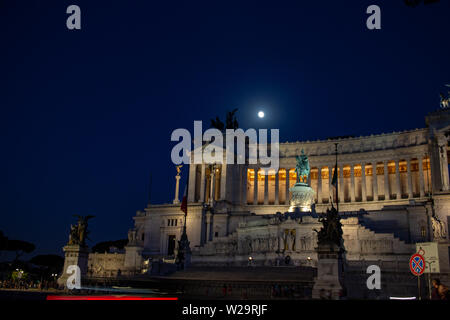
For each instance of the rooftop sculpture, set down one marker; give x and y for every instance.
(78, 233)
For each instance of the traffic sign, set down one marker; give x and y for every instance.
(417, 264)
(430, 252)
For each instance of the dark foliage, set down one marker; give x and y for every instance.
(19, 246)
(230, 122)
(3, 241)
(104, 246)
(48, 260)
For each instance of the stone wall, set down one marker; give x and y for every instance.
(267, 242)
(105, 264)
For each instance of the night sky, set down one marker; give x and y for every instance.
(86, 115)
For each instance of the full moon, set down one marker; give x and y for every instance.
(261, 114)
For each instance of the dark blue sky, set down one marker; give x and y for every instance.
(87, 115)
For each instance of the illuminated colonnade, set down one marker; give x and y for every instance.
(358, 182)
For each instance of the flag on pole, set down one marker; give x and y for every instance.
(184, 201)
(334, 180)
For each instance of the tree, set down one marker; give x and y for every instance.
(48, 260)
(217, 124)
(48, 264)
(20, 247)
(19, 275)
(230, 122)
(104, 246)
(3, 241)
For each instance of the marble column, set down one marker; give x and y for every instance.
(277, 187)
(244, 185)
(352, 182)
(223, 181)
(397, 179)
(363, 182)
(410, 189)
(207, 187)
(218, 184)
(287, 186)
(341, 183)
(266, 186)
(212, 186)
(176, 200)
(387, 193)
(330, 186)
(319, 185)
(374, 181)
(435, 166)
(444, 165)
(202, 184)
(255, 187)
(421, 178)
(192, 182)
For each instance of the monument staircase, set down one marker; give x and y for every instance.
(379, 225)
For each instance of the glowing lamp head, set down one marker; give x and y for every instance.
(261, 114)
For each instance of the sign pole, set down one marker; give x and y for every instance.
(418, 285)
(417, 266)
(429, 284)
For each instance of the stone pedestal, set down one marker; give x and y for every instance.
(302, 197)
(74, 255)
(183, 257)
(133, 259)
(328, 284)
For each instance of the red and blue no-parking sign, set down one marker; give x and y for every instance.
(417, 264)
